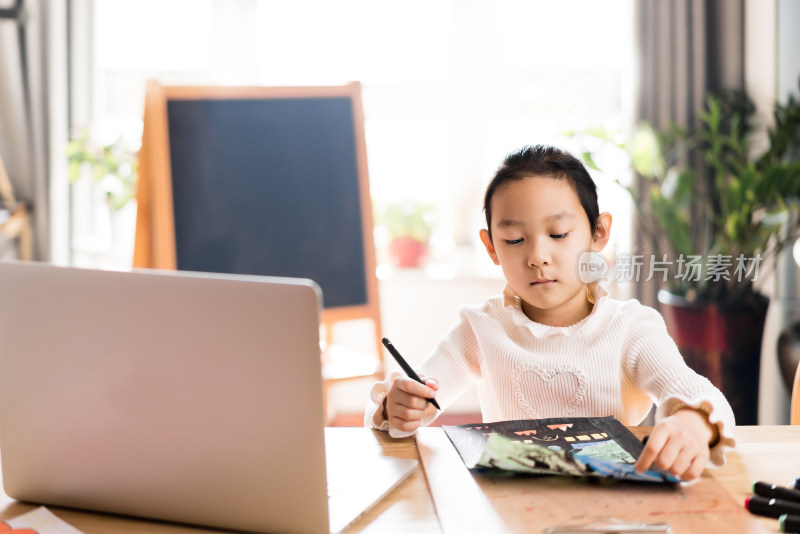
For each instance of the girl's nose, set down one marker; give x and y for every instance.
(538, 255)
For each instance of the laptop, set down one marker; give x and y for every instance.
(188, 397)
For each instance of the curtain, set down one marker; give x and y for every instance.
(685, 49)
(23, 108)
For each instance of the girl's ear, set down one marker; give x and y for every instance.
(602, 233)
(487, 242)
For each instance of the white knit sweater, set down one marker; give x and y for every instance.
(616, 361)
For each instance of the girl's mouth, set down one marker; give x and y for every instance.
(542, 281)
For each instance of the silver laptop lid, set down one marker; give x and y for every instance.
(179, 396)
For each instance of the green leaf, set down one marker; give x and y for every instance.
(683, 189)
(734, 195)
(647, 156)
(587, 158)
(74, 170)
(102, 161)
(732, 227)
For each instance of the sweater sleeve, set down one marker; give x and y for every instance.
(455, 363)
(654, 364)
(373, 417)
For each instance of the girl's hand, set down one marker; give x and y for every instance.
(679, 444)
(405, 404)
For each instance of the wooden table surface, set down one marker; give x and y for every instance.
(768, 453)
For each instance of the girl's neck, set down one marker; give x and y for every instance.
(567, 314)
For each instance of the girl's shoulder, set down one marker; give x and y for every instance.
(632, 307)
(635, 315)
(490, 306)
(492, 310)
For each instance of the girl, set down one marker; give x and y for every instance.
(553, 346)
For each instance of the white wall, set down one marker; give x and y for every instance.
(772, 67)
(416, 311)
(788, 48)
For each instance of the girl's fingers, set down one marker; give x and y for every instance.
(412, 387)
(681, 463)
(650, 452)
(407, 401)
(408, 414)
(695, 469)
(405, 418)
(413, 402)
(668, 454)
(405, 426)
(672, 452)
(431, 383)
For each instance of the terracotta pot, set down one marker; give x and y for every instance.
(722, 343)
(407, 252)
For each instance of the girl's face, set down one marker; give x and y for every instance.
(539, 230)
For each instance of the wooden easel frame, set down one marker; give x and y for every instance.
(155, 244)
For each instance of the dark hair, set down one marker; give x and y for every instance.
(543, 160)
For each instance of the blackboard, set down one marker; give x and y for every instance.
(268, 181)
(269, 187)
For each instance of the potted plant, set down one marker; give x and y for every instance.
(409, 226)
(717, 218)
(113, 165)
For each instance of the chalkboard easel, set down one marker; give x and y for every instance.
(262, 180)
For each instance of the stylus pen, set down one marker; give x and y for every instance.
(407, 368)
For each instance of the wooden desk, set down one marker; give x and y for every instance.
(769, 453)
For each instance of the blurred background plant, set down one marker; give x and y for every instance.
(113, 165)
(408, 219)
(409, 225)
(705, 194)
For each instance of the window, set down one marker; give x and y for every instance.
(449, 87)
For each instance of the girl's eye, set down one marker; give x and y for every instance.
(559, 236)
(513, 241)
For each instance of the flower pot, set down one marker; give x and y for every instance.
(407, 252)
(722, 343)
